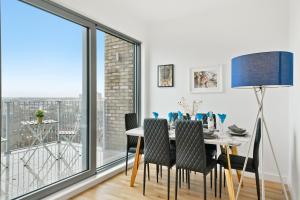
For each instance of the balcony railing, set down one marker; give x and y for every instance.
(34, 155)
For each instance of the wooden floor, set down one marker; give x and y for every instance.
(118, 188)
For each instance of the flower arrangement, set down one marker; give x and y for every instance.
(187, 108)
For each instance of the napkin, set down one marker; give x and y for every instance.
(222, 117)
(155, 115)
(170, 116)
(180, 115)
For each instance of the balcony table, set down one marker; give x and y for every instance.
(224, 140)
(39, 131)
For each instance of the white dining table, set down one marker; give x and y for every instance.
(224, 140)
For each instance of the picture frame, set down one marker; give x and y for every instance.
(165, 75)
(206, 79)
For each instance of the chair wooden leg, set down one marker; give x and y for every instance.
(204, 183)
(148, 168)
(221, 174)
(183, 175)
(257, 184)
(144, 181)
(126, 162)
(176, 183)
(168, 183)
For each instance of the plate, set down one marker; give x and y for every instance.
(210, 137)
(208, 132)
(238, 134)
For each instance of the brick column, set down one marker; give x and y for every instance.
(119, 89)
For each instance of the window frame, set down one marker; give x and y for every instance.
(137, 86)
(91, 84)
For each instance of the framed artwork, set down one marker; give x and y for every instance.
(165, 75)
(206, 79)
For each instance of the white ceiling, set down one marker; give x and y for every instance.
(146, 11)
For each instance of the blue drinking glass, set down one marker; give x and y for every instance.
(199, 116)
(222, 118)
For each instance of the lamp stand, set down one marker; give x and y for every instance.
(260, 94)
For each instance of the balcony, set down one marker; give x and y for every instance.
(35, 155)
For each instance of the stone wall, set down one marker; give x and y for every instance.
(119, 89)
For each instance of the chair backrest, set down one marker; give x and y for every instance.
(256, 144)
(156, 142)
(131, 123)
(190, 147)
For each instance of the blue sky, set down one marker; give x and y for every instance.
(42, 53)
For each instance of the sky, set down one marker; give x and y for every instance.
(42, 53)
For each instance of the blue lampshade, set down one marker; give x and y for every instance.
(267, 69)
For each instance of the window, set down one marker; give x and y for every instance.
(53, 101)
(42, 69)
(116, 95)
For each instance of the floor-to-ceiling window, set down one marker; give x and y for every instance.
(115, 95)
(43, 67)
(53, 101)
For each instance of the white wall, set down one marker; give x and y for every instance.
(294, 176)
(228, 29)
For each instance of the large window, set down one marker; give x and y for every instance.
(66, 83)
(115, 95)
(42, 71)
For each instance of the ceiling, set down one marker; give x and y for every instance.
(146, 11)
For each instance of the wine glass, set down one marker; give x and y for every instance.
(222, 118)
(199, 116)
(170, 119)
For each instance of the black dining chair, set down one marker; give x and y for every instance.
(237, 162)
(131, 123)
(157, 147)
(191, 153)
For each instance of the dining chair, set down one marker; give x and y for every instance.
(157, 148)
(191, 153)
(237, 162)
(131, 123)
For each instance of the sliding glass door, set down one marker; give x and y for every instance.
(66, 84)
(115, 95)
(44, 99)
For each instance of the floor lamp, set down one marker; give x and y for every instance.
(259, 72)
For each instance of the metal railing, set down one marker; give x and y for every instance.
(28, 162)
(66, 111)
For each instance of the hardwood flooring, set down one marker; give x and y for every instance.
(118, 188)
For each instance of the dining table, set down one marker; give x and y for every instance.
(223, 139)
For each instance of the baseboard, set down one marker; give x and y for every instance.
(84, 185)
(268, 177)
(292, 192)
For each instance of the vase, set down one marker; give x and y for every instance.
(39, 120)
